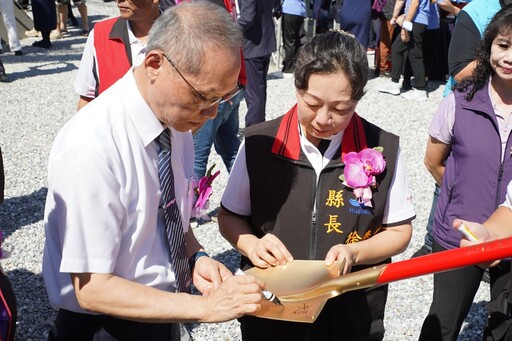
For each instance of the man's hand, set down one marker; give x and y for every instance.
(404, 35)
(208, 274)
(235, 297)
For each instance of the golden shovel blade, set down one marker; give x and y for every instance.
(303, 287)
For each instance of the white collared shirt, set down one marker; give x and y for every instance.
(101, 212)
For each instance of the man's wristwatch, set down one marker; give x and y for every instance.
(192, 260)
(407, 25)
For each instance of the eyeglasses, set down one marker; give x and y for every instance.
(206, 102)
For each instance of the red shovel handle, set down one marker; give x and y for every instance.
(446, 260)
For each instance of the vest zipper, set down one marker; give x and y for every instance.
(314, 213)
(314, 218)
(498, 188)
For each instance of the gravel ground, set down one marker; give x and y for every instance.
(40, 99)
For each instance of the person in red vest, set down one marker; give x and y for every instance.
(113, 46)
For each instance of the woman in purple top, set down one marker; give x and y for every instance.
(471, 131)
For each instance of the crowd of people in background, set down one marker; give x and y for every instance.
(467, 44)
(373, 23)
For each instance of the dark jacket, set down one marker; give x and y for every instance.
(257, 25)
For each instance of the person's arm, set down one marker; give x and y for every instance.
(207, 273)
(499, 223)
(448, 7)
(466, 72)
(396, 230)
(85, 82)
(224, 296)
(263, 252)
(77, 174)
(389, 242)
(399, 4)
(435, 157)
(82, 101)
(234, 220)
(440, 138)
(463, 45)
(407, 24)
(497, 226)
(411, 11)
(112, 295)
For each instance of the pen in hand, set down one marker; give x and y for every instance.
(269, 296)
(467, 233)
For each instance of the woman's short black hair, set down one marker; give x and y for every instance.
(332, 52)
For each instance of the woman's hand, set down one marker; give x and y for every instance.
(269, 251)
(339, 252)
(480, 232)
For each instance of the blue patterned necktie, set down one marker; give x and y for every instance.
(172, 217)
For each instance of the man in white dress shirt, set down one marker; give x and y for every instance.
(106, 263)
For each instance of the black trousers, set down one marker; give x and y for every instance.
(454, 292)
(71, 326)
(413, 50)
(256, 89)
(291, 27)
(45, 15)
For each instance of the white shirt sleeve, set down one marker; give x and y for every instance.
(92, 240)
(236, 197)
(400, 205)
(85, 83)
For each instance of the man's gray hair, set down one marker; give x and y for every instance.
(185, 31)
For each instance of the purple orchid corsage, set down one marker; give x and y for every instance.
(203, 191)
(360, 171)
